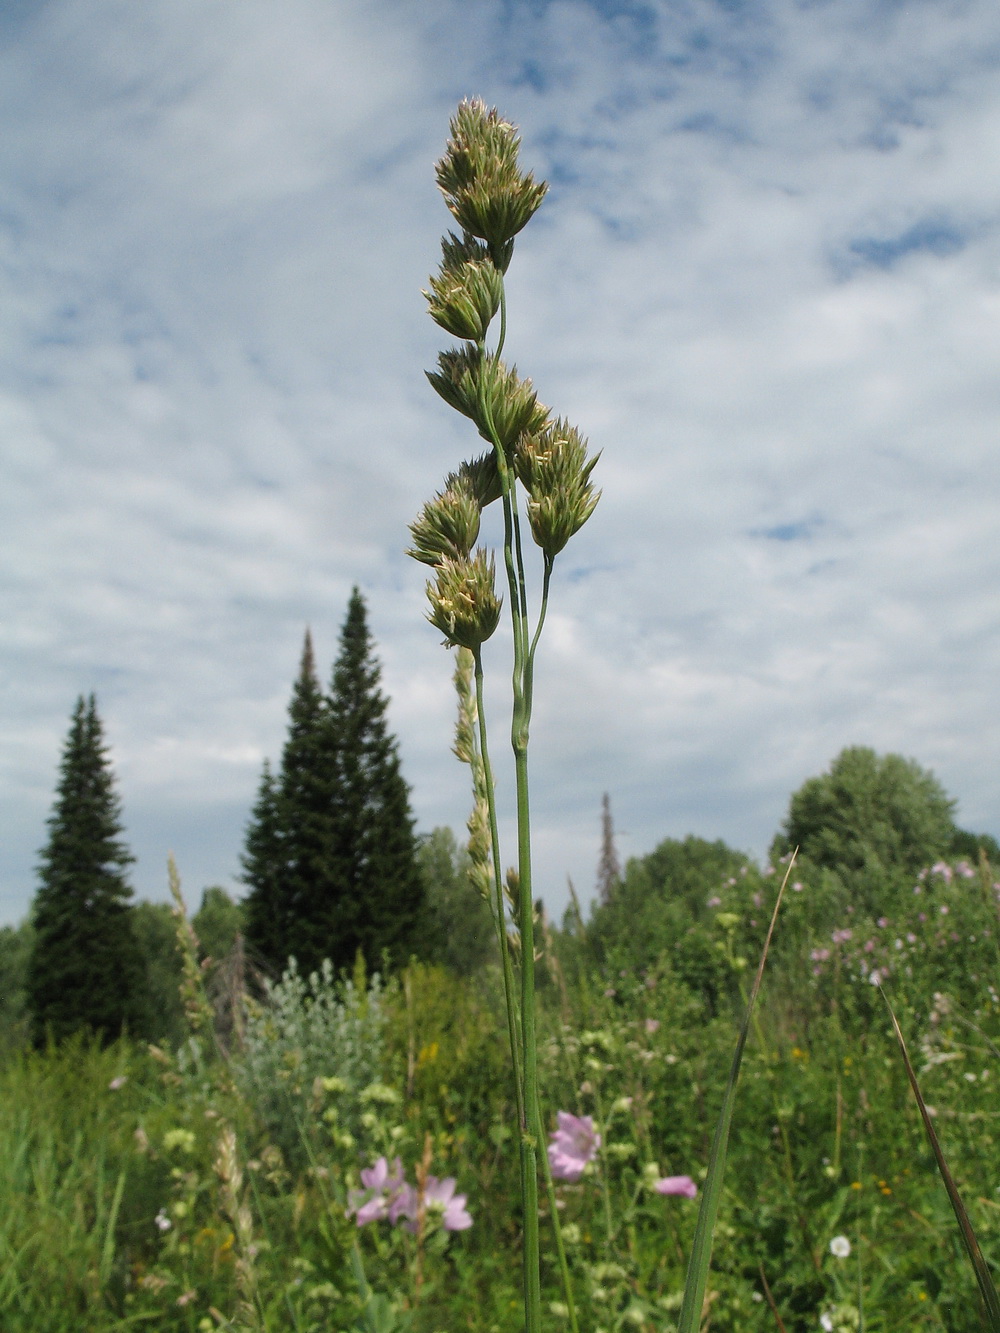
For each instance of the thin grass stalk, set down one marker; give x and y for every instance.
(768, 1296)
(520, 722)
(696, 1282)
(108, 1247)
(984, 1278)
(501, 909)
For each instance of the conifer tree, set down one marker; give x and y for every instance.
(263, 871)
(287, 860)
(86, 968)
(331, 857)
(376, 893)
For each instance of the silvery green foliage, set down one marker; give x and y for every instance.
(308, 1032)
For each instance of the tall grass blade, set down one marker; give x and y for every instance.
(108, 1248)
(696, 1281)
(987, 1287)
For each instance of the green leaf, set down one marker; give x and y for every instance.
(987, 1287)
(696, 1281)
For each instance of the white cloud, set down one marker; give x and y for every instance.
(766, 283)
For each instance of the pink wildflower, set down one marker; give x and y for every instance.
(382, 1190)
(652, 1025)
(440, 1200)
(440, 1197)
(572, 1145)
(677, 1185)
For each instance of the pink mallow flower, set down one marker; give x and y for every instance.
(572, 1146)
(677, 1185)
(440, 1200)
(440, 1197)
(382, 1190)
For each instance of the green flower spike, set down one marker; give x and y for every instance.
(464, 299)
(464, 604)
(456, 379)
(494, 397)
(479, 177)
(467, 292)
(555, 470)
(507, 406)
(448, 525)
(481, 476)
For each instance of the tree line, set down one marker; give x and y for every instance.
(332, 864)
(334, 868)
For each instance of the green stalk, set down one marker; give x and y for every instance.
(520, 719)
(531, 1132)
(529, 674)
(503, 318)
(696, 1282)
(501, 911)
(987, 1287)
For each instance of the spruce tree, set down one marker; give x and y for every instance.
(288, 847)
(86, 968)
(376, 894)
(263, 872)
(331, 857)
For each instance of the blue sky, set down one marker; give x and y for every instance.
(766, 283)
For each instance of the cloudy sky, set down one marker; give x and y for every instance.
(765, 282)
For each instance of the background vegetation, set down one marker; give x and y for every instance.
(204, 1182)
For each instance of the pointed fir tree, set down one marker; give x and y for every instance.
(331, 857)
(263, 872)
(287, 860)
(376, 899)
(86, 969)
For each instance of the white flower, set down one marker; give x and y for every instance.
(825, 1322)
(840, 1246)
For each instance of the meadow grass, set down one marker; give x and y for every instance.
(825, 1144)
